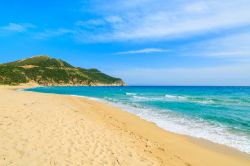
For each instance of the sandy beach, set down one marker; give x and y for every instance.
(48, 129)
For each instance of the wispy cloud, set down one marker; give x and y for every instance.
(16, 27)
(143, 51)
(231, 47)
(54, 33)
(91, 23)
(230, 54)
(196, 7)
(166, 19)
(114, 19)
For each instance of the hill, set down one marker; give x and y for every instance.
(47, 71)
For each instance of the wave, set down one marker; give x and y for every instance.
(130, 94)
(209, 100)
(143, 98)
(182, 121)
(194, 127)
(91, 98)
(174, 98)
(190, 99)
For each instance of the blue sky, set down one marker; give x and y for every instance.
(145, 42)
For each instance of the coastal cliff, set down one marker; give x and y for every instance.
(47, 71)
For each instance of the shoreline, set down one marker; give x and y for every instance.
(201, 141)
(157, 144)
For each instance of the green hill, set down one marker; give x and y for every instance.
(46, 71)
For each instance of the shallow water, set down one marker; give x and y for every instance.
(218, 114)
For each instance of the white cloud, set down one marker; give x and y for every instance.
(230, 54)
(230, 47)
(54, 33)
(91, 23)
(165, 19)
(144, 51)
(114, 19)
(196, 7)
(16, 28)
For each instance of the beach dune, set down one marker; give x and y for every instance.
(48, 129)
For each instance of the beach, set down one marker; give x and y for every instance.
(50, 129)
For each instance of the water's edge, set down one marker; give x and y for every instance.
(157, 121)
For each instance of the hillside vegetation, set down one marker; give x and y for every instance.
(47, 71)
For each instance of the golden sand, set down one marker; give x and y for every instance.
(47, 129)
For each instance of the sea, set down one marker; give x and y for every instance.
(218, 114)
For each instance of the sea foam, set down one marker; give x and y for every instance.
(168, 120)
(217, 114)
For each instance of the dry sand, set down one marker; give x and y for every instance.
(46, 129)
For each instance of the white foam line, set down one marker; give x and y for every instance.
(87, 97)
(182, 125)
(191, 127)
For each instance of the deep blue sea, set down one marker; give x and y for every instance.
(218, 114)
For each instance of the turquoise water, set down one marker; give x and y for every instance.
(218, 114)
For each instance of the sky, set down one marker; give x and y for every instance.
(144, 42)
